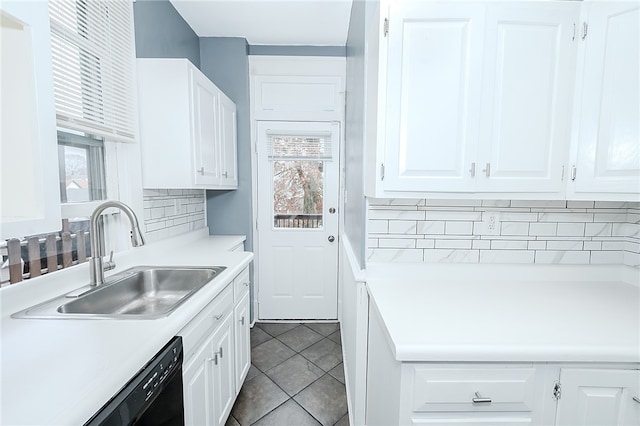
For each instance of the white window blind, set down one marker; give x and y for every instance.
(297, 147)
(93, 67)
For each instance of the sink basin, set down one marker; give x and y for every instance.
(142, 292)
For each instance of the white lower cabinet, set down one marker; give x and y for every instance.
(599, 397)
(196, 377)
(217, 355)
(224, 384)
(492, 393)
(243, 344)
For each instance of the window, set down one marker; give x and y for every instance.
(92, 46)
(93, 67)
(298, 179)
(82, 168)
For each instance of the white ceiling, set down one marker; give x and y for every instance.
(274, 22)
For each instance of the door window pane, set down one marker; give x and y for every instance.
(298, 194)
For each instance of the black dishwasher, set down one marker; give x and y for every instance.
(152, 397)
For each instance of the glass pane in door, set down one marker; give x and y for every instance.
(298, 194)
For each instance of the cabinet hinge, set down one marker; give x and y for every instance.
(573, 38)
(585, 28)
(385, 29)
(381, 171)
(573, 173)
(562, 174)
(557, 390)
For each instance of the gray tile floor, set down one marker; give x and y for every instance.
(296, 377)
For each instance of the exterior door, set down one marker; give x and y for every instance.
(297, 220)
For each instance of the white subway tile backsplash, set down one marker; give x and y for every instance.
(506, 256)
(562, 257)
(378, 226)
(610, 217)
(598, 229)
(402, 227)
(508, 245)
(451, 256)
(564, 245)
(459, 228)
(452, 231)
(514, 228)
(425, 244)
(536, 245)
(543, 229)
(431, 227)
(453, 244)
(454, 215)
(481, 244)
(565, 217)
(606, 257)
(396, 243)
(171, 212)
(394, 255)
(571, 229)
(396, 214)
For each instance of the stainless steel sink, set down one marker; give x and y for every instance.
(143, 292)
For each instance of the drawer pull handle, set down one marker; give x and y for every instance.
(479, 399)
(242, 321)
(217, 317)
(245, 284)
(636, 399)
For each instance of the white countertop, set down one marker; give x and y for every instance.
(505, 313)
(62, 371)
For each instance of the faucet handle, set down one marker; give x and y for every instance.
(110, 264)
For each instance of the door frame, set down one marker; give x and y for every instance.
(295, 69)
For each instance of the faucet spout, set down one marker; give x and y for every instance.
(137, 239)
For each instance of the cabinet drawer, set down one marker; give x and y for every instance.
(241, 284)
(203, 324)
(498, 389)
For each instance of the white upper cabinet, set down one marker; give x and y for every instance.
(30, 195)
(529, 63)
(478, 96)
(228, 132)
(433, 84)
(187, 128)
(606, 139)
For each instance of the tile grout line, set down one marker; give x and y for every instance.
(291, 397)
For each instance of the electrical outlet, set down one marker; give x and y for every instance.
(491, 221)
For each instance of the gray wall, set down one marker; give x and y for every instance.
(162, 33)
(355, 207)
(225, 61)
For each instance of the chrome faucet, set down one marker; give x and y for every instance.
(95, 263)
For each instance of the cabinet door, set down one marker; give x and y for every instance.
(228, 143)
(196, 375)
(205, 104)
(433, 71)
(608, 147)
(224, 392)
(599, 397)
(29, 180)
(527, 96)
(242, 342)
